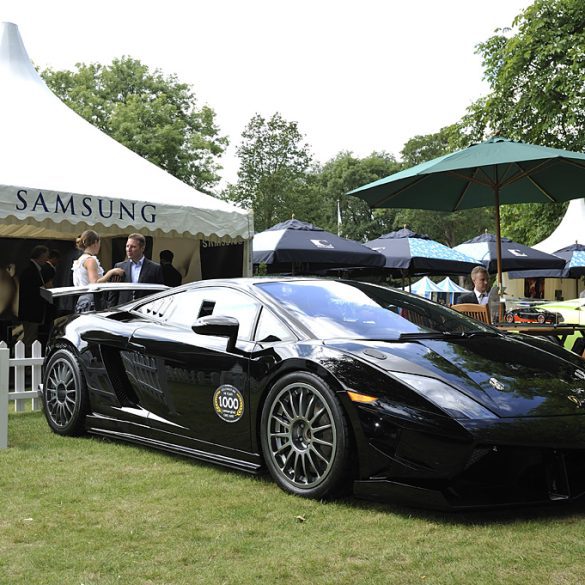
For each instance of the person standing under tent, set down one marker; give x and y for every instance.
(87, 269)
(137, 268)
(171, 276)
(32, 308)
(49, 268)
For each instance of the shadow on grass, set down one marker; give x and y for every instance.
(484, 516)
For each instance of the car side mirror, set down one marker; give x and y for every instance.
(218, 326)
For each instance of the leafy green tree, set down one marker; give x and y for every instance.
(536, 73)
(426, 147)
(154, 115)
(531, 223)
(536, 77)
(273, 177)
(343, 174)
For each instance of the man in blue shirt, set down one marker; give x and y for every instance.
(137, 268)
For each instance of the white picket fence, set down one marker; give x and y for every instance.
(19, 394)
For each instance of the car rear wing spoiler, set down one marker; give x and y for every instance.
(50, 294)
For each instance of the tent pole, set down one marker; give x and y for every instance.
(499, 252)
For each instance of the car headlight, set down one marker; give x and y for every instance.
(445, 397)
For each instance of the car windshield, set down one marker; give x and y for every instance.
(356, 310)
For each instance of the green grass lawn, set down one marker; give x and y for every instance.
(87, 511)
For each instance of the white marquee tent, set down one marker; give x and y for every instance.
(61, 175)
(570, 231)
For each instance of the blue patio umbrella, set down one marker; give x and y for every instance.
(574, 256)
(515, 256)
(297, 246)
(414, 253)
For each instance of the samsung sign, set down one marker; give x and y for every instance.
(84, 206)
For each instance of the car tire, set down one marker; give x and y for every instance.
(305, 437)
(541, 318)
(510, 318)
(65, 398)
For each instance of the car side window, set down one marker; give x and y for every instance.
(185, 307)
(270, 328)
(159, 308)
(232, 303)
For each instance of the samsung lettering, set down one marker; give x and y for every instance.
(84, 206)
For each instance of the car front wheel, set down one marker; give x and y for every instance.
(305, 437)
(65, 398)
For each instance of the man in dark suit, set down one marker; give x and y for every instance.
(49, 268)
(137, 268)
(171, 276)
(479, 295)
(32, 308)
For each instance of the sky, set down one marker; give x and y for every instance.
(357, 76)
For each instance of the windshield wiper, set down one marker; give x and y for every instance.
(429, 335)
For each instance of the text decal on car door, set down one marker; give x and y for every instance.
(228, 403)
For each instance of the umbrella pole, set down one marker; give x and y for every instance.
(499, 252)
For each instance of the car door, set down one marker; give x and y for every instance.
(194, 386)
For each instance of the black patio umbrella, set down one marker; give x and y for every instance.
(413, 253)
(515, 256)
(296, 246)
(574, 257)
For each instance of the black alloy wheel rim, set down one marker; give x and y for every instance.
(61, 392)
(302, 436)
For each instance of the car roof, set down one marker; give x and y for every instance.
(249, 282)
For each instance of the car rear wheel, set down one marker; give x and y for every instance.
(510, 318)
(65, 397)
(304, 436)
(541, 318)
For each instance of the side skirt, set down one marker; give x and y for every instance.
(140, 439)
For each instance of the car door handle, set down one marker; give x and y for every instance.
(136, 346)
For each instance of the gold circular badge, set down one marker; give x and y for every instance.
(228, 403)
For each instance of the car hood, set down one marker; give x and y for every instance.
(509, 376)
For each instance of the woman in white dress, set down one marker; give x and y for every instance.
(87, 269)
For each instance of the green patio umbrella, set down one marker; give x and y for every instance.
(490, 173)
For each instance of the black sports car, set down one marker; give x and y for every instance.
(532, 315)
(329, 385)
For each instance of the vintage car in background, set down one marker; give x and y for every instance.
(331, 386)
